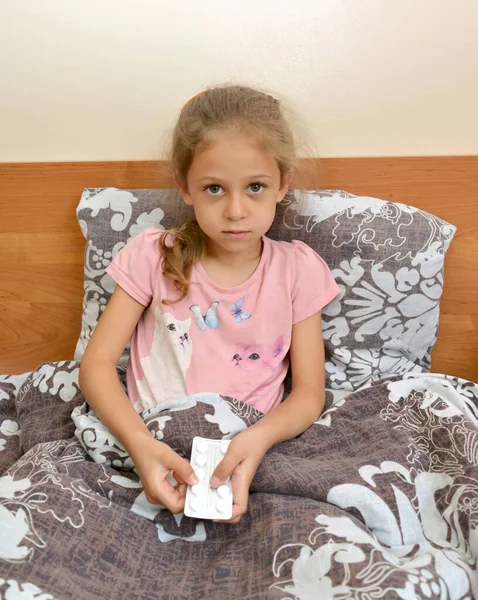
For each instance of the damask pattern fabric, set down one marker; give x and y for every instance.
(386, 257)
(378, 499)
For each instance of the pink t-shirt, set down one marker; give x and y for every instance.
(232, 341)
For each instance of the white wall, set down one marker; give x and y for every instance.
(103, 79)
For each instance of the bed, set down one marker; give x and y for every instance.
(377, 499)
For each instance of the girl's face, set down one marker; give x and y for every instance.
(234, 185)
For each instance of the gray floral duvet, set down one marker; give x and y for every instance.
(378, 499)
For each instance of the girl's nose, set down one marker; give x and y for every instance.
(235, 208)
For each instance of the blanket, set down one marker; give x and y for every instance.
(378, 499)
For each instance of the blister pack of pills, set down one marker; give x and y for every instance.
(202, 502)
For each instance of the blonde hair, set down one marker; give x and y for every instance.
(230, 106)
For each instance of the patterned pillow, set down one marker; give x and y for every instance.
(387, 259)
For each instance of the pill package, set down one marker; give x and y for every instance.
(202, 502)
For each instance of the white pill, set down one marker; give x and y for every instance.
(198, 489)
(200, 461)
(222, 506)
(200, 474)
(194, 504)
(170, 479)
(222, 491)
(224, 447)
(201, 447)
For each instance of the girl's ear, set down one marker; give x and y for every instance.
(183, 191)
(186, 197)
(285, 184)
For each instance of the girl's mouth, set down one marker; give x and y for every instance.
(236, 234)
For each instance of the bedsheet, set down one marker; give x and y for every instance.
(378, 499)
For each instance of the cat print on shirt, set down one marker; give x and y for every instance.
(165, 367)
(251, 357)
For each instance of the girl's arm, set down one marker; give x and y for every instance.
(100, 385)
(98, 377)
(294, 415)
(305, 403)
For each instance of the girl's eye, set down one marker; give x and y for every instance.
(214, 190)
(254, 356)
(257, 188)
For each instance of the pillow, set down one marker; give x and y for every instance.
(108, 218)
(387, 259)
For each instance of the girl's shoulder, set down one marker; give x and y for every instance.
(311, 283)
(147, 240)
(299, 259)
(142, 252)
(293, 251)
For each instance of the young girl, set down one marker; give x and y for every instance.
(215, 306)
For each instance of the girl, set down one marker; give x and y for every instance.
(215, 305)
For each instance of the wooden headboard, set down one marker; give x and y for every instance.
(41, 246)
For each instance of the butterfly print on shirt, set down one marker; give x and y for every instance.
(237, 312)
(210, 319)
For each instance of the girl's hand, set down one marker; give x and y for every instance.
(155, 461)
(241, 462)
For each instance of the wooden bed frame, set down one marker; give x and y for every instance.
(41, 246)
